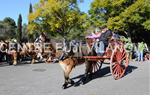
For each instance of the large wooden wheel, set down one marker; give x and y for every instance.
(119, 62)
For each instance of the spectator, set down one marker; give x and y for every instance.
(135, 51)
(141, 47)
(129, 48)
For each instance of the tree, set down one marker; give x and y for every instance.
(24, 31)
(9, 21)
(19, 28)
(58, 17)
(30, 8)
(128, 16)
(30, 33)
(7, 28)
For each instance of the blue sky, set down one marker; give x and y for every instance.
(12, 8)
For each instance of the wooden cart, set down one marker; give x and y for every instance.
(117, 56)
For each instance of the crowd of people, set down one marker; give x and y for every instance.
(137, 51)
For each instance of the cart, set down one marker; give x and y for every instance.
(116, 55)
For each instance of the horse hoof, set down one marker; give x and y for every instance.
(14, 64)
(72, 82)
(64, 86)
(84, 80)
(90, 77)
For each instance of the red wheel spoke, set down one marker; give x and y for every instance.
(121, 61)
(120, 71)
(97, 66)
(114, 63)
(115, 69)
(123, 58)
(93, 68)
(114, 66)
(124, 54)
(116, 75)
(118, 56)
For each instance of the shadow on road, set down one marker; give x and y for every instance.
(104, 72)
(130, 69)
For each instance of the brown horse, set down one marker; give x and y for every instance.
(70, 60)
(33, 50)
(28, 49)
(3, 52)
(67, 65)
(46, 54)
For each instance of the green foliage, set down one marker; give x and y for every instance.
(7, 28)
(9, 21)
(19, 28)
(121, 15)
(58, 17)
(63, 17)
(30, 8)
(24, 31)
(146, 24)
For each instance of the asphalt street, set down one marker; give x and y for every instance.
(47, 79)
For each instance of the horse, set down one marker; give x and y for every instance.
(45, 50)
(69, 60)
(47, 54)
(27, 49)
(4, 53)
(3, 47)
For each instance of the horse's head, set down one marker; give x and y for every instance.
(3, 46)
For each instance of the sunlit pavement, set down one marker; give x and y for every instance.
(47, 79)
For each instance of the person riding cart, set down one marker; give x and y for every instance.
(67, 49)
(102, 42)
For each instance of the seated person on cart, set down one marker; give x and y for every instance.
(103, 41)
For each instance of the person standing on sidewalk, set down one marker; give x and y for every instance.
(141, 47)
(129, 48)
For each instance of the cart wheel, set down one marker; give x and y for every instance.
(96, 66)
(119, 62)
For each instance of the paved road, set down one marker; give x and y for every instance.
(46, 79)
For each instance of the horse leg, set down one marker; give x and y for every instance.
(64, 66)
(70, 67)
(66, 81)
(88, 69)
(49, 58)
(33, 58)
(39, 56)
(67, 72)
(88, 72)
(14, 58)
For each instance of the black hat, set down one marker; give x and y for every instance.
(103, 27)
